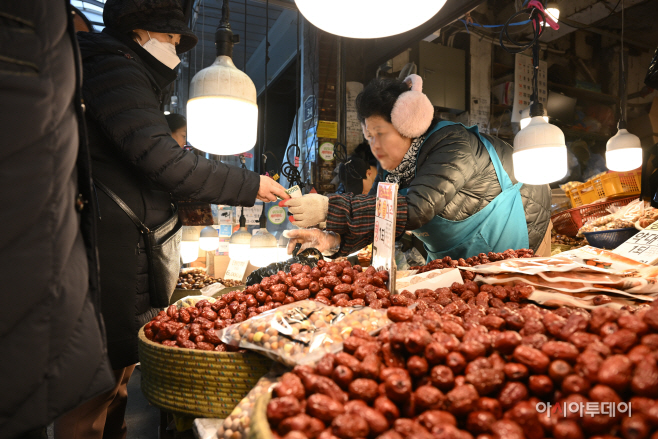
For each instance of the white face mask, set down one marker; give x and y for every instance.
(163, 52)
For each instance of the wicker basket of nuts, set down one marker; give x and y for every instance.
(197, 382)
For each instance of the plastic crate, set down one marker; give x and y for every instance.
(610, 239)
(614, 184)
(570, 221)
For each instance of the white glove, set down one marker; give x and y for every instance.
(307, 211)
(327, 242)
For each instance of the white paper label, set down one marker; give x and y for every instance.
(642, 247)
(236, 270)
(383, 246)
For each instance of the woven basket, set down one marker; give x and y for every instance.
(194, 382)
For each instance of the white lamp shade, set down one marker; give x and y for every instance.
(189, 251)
(189, 245)
(540, 153)
(222, 113)
(526, 120)
(623, 152)
(525, 117)
(239, 245)
(209, 239)
(368, 18)
(264, 249)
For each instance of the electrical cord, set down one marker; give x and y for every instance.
(536, 17)
(289, 170)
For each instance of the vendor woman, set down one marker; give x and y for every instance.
(457, 191)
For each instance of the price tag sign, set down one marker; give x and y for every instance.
(236, 270)
(383, 246)
(642, 247)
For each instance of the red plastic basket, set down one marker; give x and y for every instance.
(568, 222)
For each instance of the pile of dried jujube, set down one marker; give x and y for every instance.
(482, 258)
(476, 362)
(339, 284)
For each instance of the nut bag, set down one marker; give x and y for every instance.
(302, 332)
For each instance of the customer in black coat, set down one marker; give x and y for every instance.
(52, 339)
(127, 70)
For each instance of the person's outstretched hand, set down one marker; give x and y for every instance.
(270, 189)
(327, 242)
(307, 211)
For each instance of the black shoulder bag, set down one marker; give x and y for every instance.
(162, 250)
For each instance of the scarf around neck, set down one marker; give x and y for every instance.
(406, 170)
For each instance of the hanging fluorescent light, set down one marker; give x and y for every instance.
(240, 243)
(623, 150)
(209, 239)
(189, 246)
(222, 113)
(540, 152)
(368, 18)
(553, 10)
(264, 246)
(525, 117)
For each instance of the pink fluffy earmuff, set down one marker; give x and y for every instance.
(413, 112)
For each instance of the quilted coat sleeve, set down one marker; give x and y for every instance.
(448, 165)
(120, 97)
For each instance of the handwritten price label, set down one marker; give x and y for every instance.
(383, 247)
(236, 270)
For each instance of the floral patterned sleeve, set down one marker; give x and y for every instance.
(353, 218)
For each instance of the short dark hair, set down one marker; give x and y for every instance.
(378, 98)
(176, 121)
(352, 173)
(364, 152)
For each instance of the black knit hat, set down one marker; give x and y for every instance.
(164, 16)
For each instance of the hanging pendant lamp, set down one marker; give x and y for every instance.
(540, 151)
(240, 243)
(368, 18)
(623, 150)
(222, 113)
(264, 245)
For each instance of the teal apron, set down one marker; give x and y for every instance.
(501, 225)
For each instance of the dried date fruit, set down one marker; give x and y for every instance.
(534, 359)
(399, 313)
(540, 385)
(560, 350)
(364, 389)
(398, 388)
(350, 427)
(616, 372)
(428, 397)
(511, 394)
(480, 422)
(462, 399)
(279, 409)
(323, 407)
(387, 408)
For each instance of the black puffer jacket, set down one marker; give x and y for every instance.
(51, 333)
(455, 179)
(134, 154)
